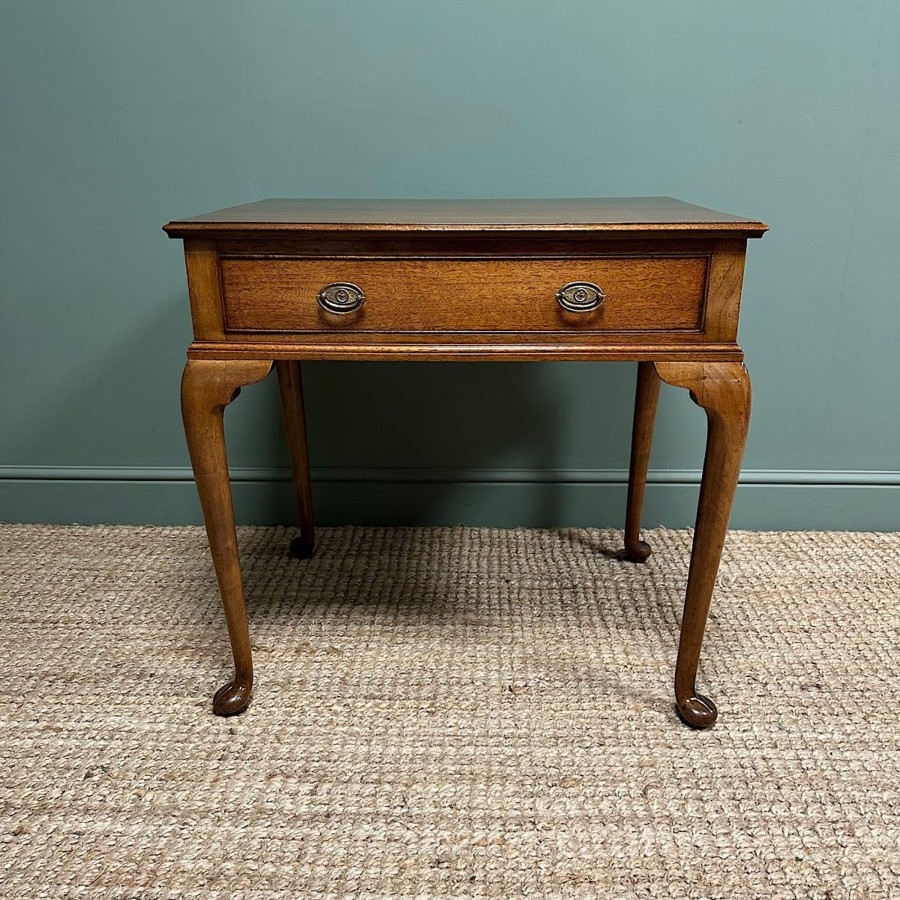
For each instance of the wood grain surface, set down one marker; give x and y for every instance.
(414, 296)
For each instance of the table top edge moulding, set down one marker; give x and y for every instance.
(610, 214)
(652, 280)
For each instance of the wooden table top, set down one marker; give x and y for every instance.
(603, 214)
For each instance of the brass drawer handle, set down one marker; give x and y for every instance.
(341, 297)
(580, 296)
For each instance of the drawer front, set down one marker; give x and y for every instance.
(453, 295)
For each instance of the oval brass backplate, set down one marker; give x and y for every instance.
(580, 296)
(341, 297)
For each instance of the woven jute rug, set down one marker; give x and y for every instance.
(447, 713)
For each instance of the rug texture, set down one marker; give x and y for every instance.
(447, 713)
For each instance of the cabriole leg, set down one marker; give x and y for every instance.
(723, 390)
(207, 387)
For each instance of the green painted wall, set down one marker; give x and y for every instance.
(117, 116)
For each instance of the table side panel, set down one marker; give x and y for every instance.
(205, 290)
(726, 279)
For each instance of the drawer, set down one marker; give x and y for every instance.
(637, 294)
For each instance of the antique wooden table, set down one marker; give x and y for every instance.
(649, 279)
